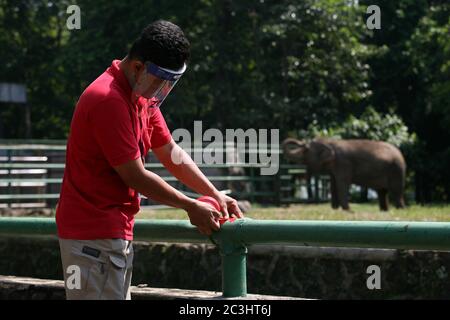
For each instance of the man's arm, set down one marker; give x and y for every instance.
(154, 187)
(188, 173)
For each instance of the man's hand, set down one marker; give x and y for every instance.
(188, 173)
(229, 205)
(204, 217)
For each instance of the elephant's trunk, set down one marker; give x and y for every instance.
(293, 149)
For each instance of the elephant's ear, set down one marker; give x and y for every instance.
(326, 154)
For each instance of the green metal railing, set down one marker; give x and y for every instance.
(234, 237)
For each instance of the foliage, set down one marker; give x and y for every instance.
(255, 64)
(371, 125)
(411, 78)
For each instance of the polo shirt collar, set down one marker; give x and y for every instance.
(121, 79)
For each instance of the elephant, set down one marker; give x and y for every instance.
(368, 163)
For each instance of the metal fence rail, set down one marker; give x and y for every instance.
(233, 238)
(31, 183)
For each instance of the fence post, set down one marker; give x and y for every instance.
(234, 269)
(277, 187)
(10, 176)
(252, 185)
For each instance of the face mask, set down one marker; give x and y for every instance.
(155, 84)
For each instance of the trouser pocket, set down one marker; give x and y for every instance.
(91, 270)
(104, 268)
(115, 286)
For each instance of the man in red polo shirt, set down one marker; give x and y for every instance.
(116, 122)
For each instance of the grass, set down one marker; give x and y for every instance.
(324, 212)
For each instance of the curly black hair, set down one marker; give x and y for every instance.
(162, 43)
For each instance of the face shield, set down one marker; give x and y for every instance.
(155, 84)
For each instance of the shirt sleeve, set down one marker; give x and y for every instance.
(161, 134)
(113, 130)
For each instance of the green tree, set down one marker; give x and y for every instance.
(370, 125)
(410, 76)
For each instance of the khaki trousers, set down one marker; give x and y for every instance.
(97, 269)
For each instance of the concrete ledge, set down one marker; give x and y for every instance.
(21, 288)
(351, 254)
(321, 273)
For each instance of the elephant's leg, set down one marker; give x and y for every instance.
(342, 187)
(397, 197)
(383, 199)
(334, 195)
(395, 190)
(400, 202)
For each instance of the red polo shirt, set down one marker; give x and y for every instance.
(105, 132)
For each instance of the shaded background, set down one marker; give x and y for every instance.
(310, 68)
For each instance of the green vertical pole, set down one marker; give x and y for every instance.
(234, 270)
